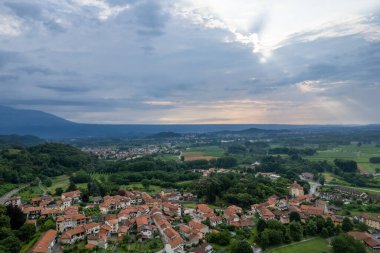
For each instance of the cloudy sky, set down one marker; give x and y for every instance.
(193, 61)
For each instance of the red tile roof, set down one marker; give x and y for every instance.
(44, 241)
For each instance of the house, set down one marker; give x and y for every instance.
(203, 211)
(97, 200)
(366, 238)
(32, 212)
(14, 201)
(193, 239)
(100, 240)
(113, 223)
(322, 204)
(46, 242)
(66, 202)
(92, 228)
(185, 230)
(215, 221)
(114, 203)
(263, 212)
(73, 195)
(69, 221)
(174, 241)
(312, 210)
(143, 227)
(204, 248)
(199, 226)
(296, 190)
(351, 192)
(308, 176)
(73, 235)
(171, 209)
(371, 221)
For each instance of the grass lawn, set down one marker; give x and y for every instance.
(60, 181)
(316, 245)
(350, 152)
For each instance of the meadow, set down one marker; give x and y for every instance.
(360, 154)
(315, 245)
(205, 153)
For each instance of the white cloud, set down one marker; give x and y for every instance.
(266, 25)
(105, 9)
(10, 26)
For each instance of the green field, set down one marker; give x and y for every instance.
(316, 245)
(168, 157)
(30, 192)
(350, 152)
(152, 189)
(60, 181)
(208, 150)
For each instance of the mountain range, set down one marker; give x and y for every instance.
(49, 126)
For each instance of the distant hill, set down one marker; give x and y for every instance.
(49, 126)
(251, 131)
(18, 140)
(164, 135)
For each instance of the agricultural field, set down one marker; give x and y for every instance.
(360, 154)
(204, 153)
(315, 245)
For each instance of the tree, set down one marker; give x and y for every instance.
(145, 183)
(48, 224)
(344, 243)
(261, 225)
(26, 232)
(294, 216)
(5, 221)
(347, 225)
(72, 186)
(223, 238)
(311, 227)
(296, 231)
(243, 247)
(361, 226)
(12, 244)
(325, 233)
(58, 191)
(17, 217)
(322, 180)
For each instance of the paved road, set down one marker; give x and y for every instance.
(313, 186)
(9, 194)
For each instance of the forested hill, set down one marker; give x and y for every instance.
(22, 165)
(19, 140)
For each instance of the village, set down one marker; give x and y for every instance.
(168, 217)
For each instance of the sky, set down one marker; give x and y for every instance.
(193, 61)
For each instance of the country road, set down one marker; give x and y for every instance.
(9, 194)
